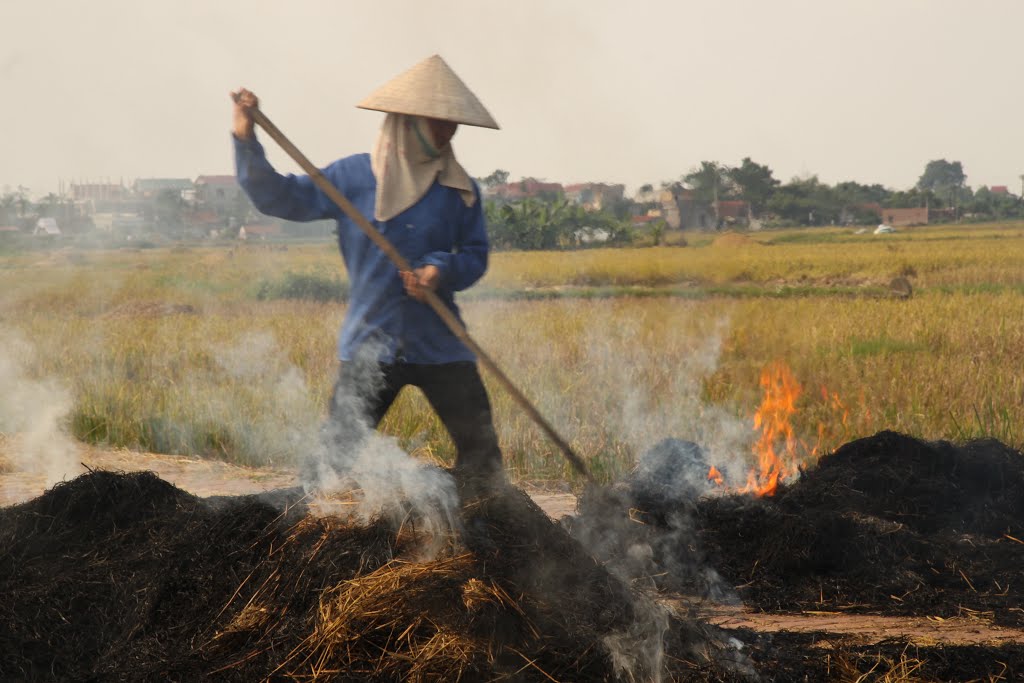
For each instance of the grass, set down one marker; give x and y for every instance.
(314, 286)
(228, 351)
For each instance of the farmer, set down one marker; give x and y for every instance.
(423, 202)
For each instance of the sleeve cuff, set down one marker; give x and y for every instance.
(252, 145)
(440, 260)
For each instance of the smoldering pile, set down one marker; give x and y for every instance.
(887, 524)
(115, 576)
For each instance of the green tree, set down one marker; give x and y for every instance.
(169, 209)
(50, 206)
(912, 198)
(537, 223)
(710, 181)
(657, 231)
(940, 175)
(806, 201)
(498, 177)
(988, 205)
(22, 200)
(8, 201)
(852, 193)
(522, 225)
(947, 180)
(753, 182)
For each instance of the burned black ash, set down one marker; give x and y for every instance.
(885, 524)
(115, 576)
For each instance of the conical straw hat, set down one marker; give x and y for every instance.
(430, 89)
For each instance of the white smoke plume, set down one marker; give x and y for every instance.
(678, 409)
(638, 654)
(339, 455)
(676, 434)
(351, 456)
(32, 414)
(277, 393)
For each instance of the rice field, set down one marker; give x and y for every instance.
(197, 349)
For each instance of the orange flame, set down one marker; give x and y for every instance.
(779, 453)
(776, 449)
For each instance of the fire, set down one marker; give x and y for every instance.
(776, 448)
(779, 453)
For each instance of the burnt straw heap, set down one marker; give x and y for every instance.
(887, 524)
(123, 577)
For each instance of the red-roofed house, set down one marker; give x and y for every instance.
(999, 189)
(733, 210)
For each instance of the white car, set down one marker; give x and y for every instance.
(884, 229)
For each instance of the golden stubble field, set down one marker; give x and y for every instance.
(176, 350)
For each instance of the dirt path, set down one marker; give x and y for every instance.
(864, 629)
(197, 476)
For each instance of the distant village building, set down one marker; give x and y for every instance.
(683, 211)
(525, 188)
(999, 189)
(47, 226)
(594, 196)
(151, 188)
(97, 192)
(733, 212)
(219, 193)
(860, 213)
(647, 195)
(905, 217)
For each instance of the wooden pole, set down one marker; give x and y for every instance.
(432, 299)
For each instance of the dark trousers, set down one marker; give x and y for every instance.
(455, 391)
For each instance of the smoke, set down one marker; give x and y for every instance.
(384, 481)
(675, 407)
(663, 416)
(638, 387)
(267, 385)
(638, 654)
(344, 454)
(32, 413)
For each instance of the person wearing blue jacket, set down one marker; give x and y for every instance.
(421, 200)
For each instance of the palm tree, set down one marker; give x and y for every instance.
(709, 182)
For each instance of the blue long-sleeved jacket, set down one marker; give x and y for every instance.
(438, 230)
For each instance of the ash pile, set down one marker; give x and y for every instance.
(887, 524)
(123, 577)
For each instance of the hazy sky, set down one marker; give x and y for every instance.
(585, 90)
